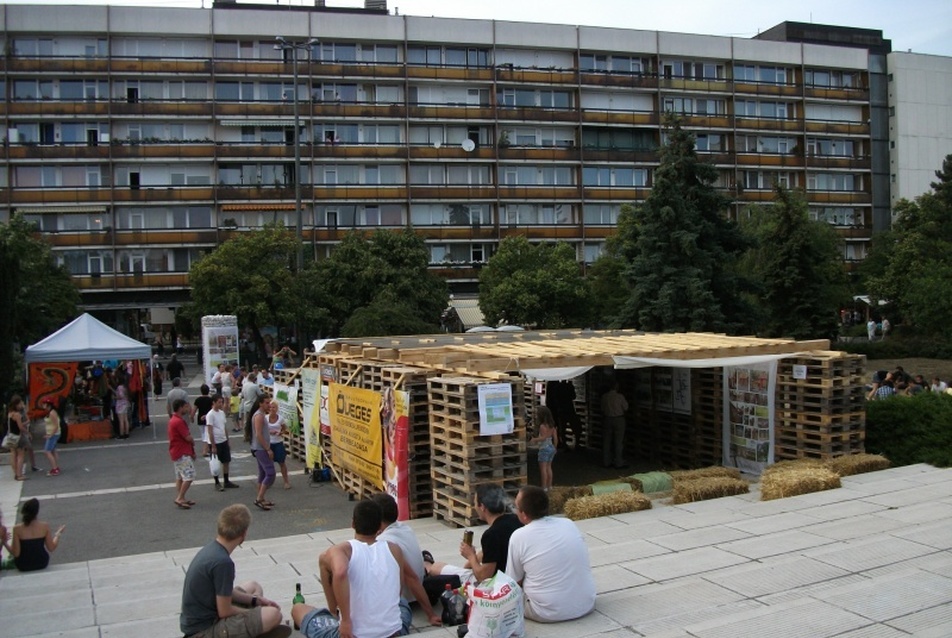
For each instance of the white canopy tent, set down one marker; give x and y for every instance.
(86, 339)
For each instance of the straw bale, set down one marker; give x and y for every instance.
(707, 487)
(605, 505)
(796, 464)
(652, 482)
(705, 472)
(795, 481)
(558, 495)
(636, 485)
(858, 464)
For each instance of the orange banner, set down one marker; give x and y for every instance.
(49, 380)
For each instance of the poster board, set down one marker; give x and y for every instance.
(219, 343)
(356, 436)
(310, 415)
(749, 416)
(286, 398)
(495, 409)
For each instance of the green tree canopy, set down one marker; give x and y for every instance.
(37, 297)
(678, 247)
(381, 285)
(537, 285)
(249, 276)
(913, 260)
(797, 267)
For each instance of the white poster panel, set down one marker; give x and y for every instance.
(286, 398)
(495, 409)
(749, 416)
(681, 390)
(219, 342)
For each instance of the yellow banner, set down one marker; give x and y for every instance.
(355, 431)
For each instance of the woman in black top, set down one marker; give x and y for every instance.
(32, 543)
(15, 426)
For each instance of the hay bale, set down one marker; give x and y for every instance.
(707, 487)
(558, 495)
(653, 481)
(797, 464)
(606, 487)
(858, 464)
(584, 507)
(705, 472)
(635, 483)
(793, 481)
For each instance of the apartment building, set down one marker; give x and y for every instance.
(140, 138)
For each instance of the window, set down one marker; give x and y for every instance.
(823, 78)
(837, 216)
(614, 176)
(710, 142)
(601, 214)
(830, 147)
(591, 251)
(833, 182)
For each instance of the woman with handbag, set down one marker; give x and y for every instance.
(14, 440)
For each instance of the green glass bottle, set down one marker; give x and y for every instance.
(298, 596)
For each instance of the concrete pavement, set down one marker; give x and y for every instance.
(870, 559)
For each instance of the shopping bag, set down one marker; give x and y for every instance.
(214, 465)
(496, 608)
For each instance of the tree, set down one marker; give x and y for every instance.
(37, 297)
(537, 285)
(679, 249)
(915, 258)
(381, 285)
(249, 276)
(797, 265)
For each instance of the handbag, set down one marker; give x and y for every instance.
(214, 465)
(10, 441)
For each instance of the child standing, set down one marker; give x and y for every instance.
(548, 438)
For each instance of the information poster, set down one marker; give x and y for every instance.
(495, 409)
(286, 398)
(219, 342)
(310, 415)
(395, 420)
(681, 387)
(749, 416)
(355, 431)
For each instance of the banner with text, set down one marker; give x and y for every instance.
(395, 419)
(310, 415)
(355, 431)
(495, 409)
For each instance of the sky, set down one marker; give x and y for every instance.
(923, 26)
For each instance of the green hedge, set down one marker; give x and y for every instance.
(899, 348)
(909, 430)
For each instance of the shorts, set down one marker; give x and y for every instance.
(223, 452)
(185, 468)
(320, 623)
(546, 452)
(244, 625)
(279, 452)
(50, 444)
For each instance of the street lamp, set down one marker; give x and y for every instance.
(283, 44)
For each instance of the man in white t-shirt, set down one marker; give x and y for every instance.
(216, 433)
(402, 534)
(362, 579)
(549, 559)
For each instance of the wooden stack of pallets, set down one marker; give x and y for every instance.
(462, 459)
(822, 415)
(707, 406)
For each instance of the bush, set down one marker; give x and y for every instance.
(899, 348)
(910, 430)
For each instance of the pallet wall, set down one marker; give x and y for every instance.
(460, 458)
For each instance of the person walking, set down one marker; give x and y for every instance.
(182, 452)
(261, 449)
(277, 428)
(51, 425)
(614, 407)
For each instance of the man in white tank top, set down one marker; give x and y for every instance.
(362, 579)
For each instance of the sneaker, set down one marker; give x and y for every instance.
(36, 469)
(219, 487)
(54, 472)
(231, 485)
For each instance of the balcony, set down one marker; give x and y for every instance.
(377, 110)
(452, 191)
(616, 193)
(624, 118)
(367, 192)
(126, 281)
(827, 161)
(58, 108)
(151, 108)
(206, 236)
(449, 73)
(105, 195)
(691, 84)
(144, 150)
(451, 151)
(766, 89)
(268, 68)
(534, 75)
(641, 155)
(445, 233)
(705, 121)
(450, 111)
(57, 65)
(550, 153)
(538, 192)
(563, 232)
(772, 160)
(768, 123)
(838, 93)
(165, 66)
(345, 70)
(835, 127)
(57, 152)
(838, 197)
(536, 114)
(629, 80)
(79, 239)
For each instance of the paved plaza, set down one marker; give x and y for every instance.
(870, 559)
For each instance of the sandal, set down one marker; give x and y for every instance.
(182, 506)
(428, 557)
(262, 506)
(270, 504)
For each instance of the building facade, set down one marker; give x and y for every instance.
(140, 138)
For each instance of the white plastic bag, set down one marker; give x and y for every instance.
(214, 465)
(496, 608)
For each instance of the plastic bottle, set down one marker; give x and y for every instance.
(298, 596)
(446, 598)
(457, 608)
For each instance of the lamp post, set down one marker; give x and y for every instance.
(283, 44)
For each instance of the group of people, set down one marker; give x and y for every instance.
(898, 382)
(370, 581)
(20, 438)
